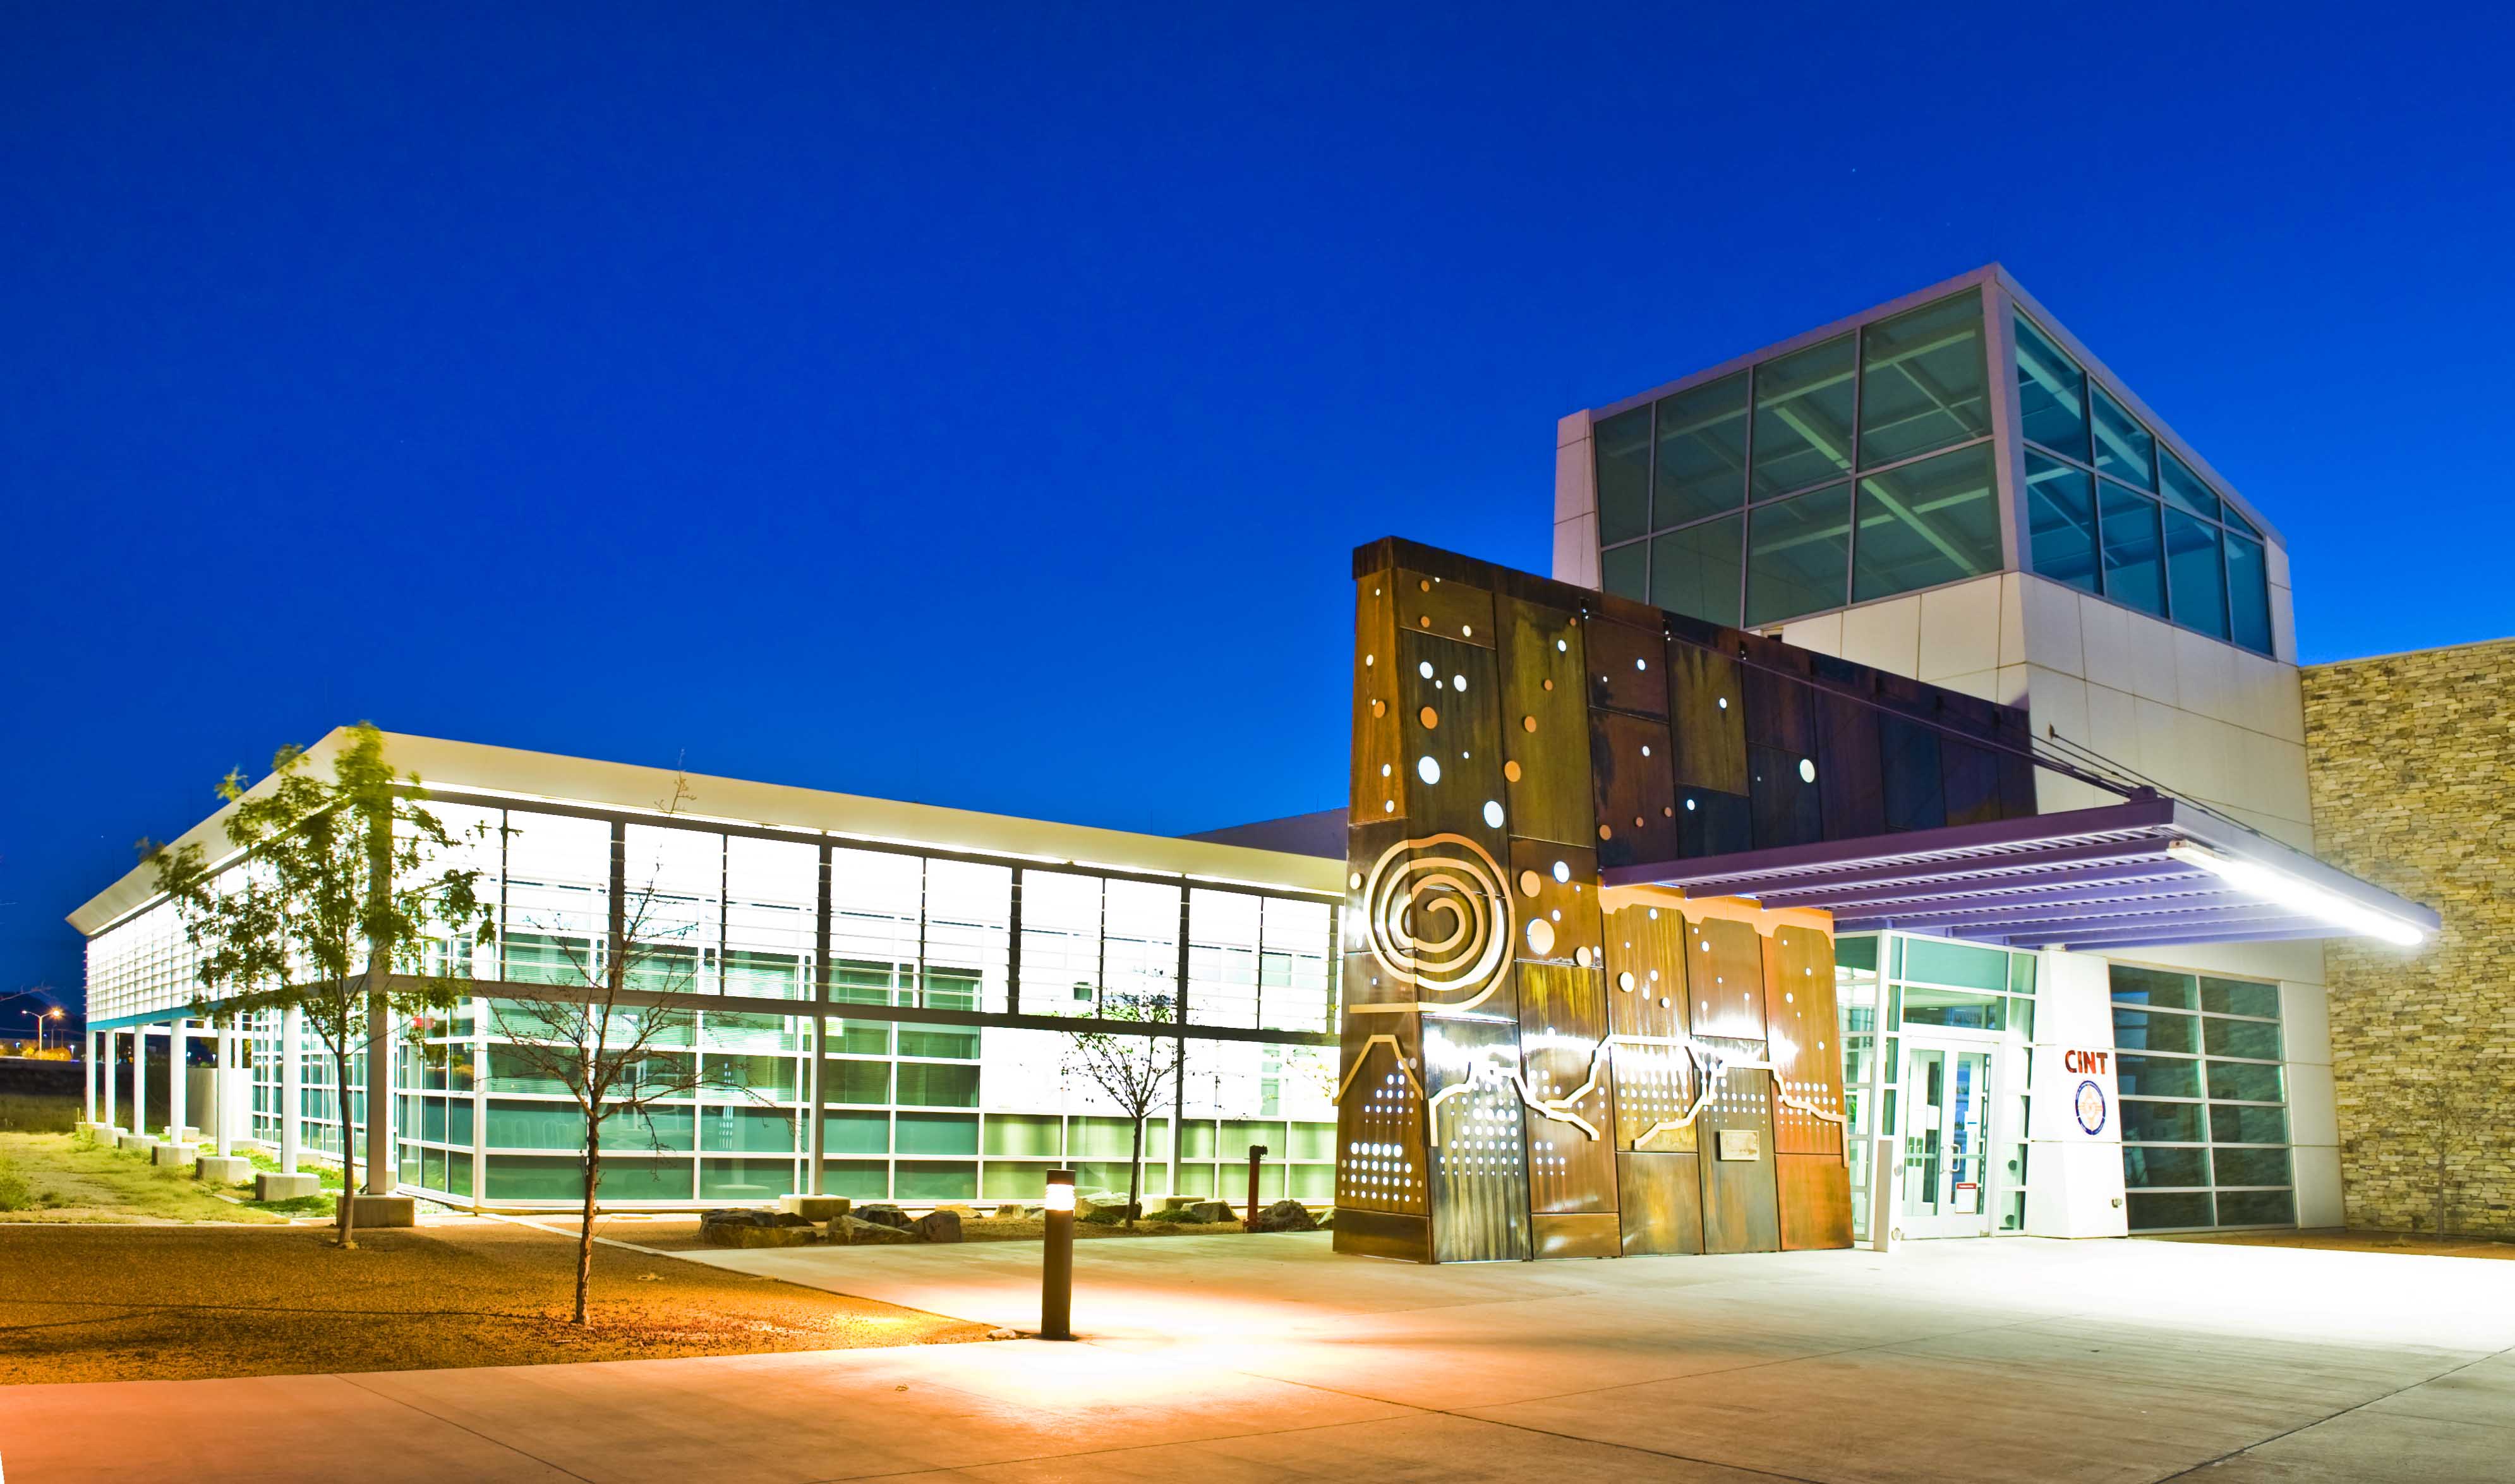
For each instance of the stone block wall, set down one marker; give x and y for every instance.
(2412, 763)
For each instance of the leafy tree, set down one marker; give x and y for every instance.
(1131, 1068)
(601, 1025)
(342, 907)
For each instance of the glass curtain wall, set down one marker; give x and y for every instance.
(2204, 1100)
(2111, 510)
(1893, 990)
(1853, 469)
(911, 1110)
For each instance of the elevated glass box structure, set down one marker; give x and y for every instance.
(1950, 434)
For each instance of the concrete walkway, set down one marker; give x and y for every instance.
(1228, 1358)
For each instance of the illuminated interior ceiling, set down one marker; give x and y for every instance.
(2149, 872)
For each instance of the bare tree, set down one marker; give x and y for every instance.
(1133, 1069)
(2449, 1113)
(607, 1030)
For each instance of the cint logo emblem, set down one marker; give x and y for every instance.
(2090, 1103)
(1438, 917)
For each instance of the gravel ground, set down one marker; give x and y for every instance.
(93, 1302)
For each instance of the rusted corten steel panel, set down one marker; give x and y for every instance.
(1815, 1201)
(1662, 1209)
(1545, 737)
(1803, 1039)
(1532, 1068)
(1741, 1203)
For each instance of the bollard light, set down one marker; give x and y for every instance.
(1057, 1261)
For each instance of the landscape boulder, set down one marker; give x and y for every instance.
(1285, 1215)
(856, 1231)
(815, 1209)
(1208, 1213)
(1011, 1208)
(885, 1216)
(754, 1229)
(940, 1226)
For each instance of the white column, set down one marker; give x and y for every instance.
(384, 1166)
(292, 1085)
(179, 1077)
(89, 1046)
(224, 1082)
(479, 1103)
(140, 1078)
(2073, 1156)
(113, 1078)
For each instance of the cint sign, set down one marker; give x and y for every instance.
(2083, 1109)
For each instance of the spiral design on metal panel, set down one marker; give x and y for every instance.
(1440, 914)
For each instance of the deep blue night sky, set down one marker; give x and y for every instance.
(981, 409)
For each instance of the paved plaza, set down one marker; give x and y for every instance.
(1264, 1358)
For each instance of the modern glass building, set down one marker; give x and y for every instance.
(1953, 487)
(929, 956)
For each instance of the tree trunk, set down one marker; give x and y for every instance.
(585, 1219)
(1135, 1174)
(347, 1229)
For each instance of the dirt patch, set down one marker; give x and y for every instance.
(680, 1233)
(184, 1303)
(2409, 1242)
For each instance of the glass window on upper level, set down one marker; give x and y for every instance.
(1624, 476)
(2183, 487)
(2051, 395)
(2125, 450)
(1702, 468)
(2061, 521)
(1926, 522)
(2135, 575)
(2190, 557)
(1921, 381)
(2195, 574)
(1686, 484)
(1804, 408)
(1693, 570)
(1798, 551)
(2248, 593)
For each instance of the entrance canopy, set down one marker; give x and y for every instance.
(2152, 871)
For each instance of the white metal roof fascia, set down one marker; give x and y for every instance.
(525, 777)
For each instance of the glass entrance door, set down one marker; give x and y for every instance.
(1946, 1094)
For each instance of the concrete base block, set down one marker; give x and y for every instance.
(815, 1209)
(178, 1156)
(91, 1131)
(187, 1135)
(268, 1186)
(223, 1169)
(379, 1210)
(136, 1143)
